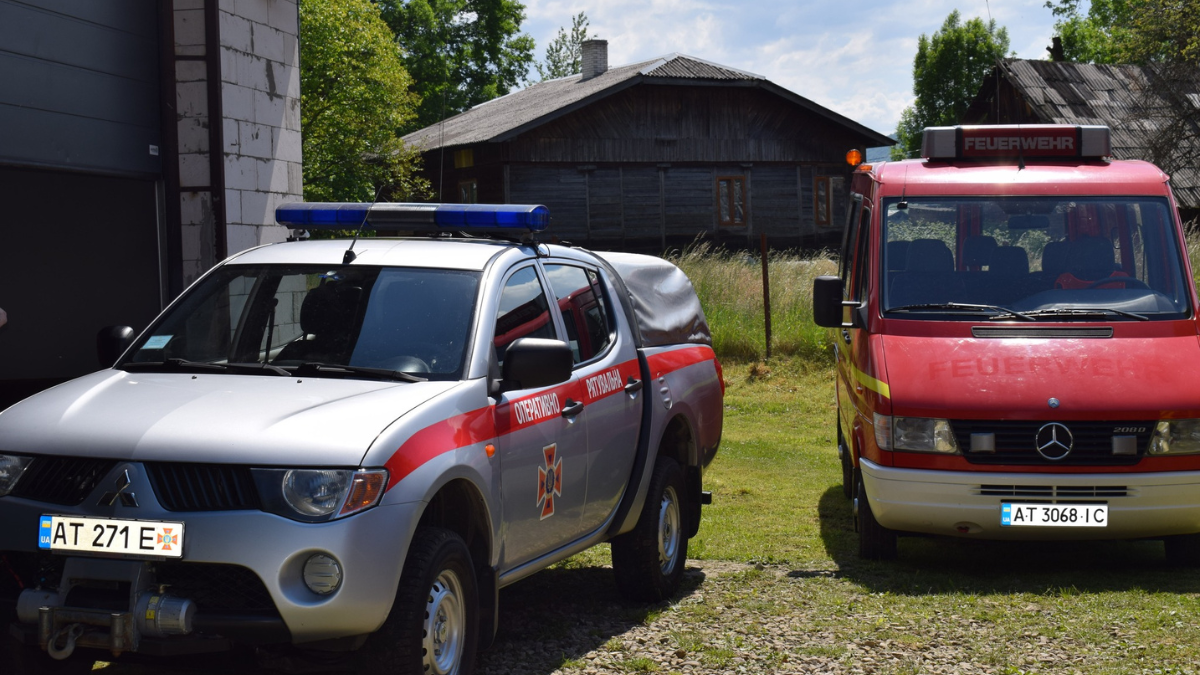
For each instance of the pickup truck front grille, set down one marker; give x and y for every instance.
(203, 487)
(62, 480)
(1015, 442)
(215, 587)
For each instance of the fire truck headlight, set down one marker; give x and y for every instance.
(1176, 437)
(920, 434)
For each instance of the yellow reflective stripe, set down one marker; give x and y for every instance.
(871, 383)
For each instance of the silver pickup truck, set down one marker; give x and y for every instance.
(353, 447)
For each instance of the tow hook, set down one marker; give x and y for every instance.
(72, 632)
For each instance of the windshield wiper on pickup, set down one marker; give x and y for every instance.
(1081, 312)
(184, 364)
(961, 306)
(331, 369)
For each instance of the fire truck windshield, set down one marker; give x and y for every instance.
(1042, 258)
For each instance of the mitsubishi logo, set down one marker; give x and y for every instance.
(127, 498)
(1054, 441)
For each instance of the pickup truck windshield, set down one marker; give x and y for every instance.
(1032, 259)
(356, 321)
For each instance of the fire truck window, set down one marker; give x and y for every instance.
(524, 312)
(582, 303)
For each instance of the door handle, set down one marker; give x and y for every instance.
(633, 386)
(572, 408)
(846, 335)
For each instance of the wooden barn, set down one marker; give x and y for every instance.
(1124, 98)
(654, 154)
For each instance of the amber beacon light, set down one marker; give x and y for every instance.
(854, 157)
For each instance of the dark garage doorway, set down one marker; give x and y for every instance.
(77, 252)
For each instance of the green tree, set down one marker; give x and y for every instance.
(355, 98)
(1163, 36)
(947, 72)
(460, 53)
(564, 55)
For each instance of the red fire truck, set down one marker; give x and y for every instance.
(1017, 344)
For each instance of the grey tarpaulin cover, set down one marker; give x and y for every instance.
(664, 303)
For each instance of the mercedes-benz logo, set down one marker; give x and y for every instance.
(1054, 441)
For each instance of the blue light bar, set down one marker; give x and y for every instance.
(341, 216)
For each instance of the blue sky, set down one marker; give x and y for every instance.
(852, 57)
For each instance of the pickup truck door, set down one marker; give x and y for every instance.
(607, 367)
(541, 442)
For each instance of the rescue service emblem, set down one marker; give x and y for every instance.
(549, 480)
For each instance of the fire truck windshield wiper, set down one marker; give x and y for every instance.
(962, 307)
(1078, 312)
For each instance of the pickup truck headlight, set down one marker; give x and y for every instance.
(1176, 437)
(914, 434)
(317, 495)
(11, 469)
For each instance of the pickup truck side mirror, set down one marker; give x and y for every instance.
(535, 362)
(111, 342)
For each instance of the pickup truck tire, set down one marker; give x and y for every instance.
(1183, 550)
(433, 628)
(648, 560)
(875, 542)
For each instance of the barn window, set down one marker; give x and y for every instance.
(468, 192)
(822, 200)
(731, 200)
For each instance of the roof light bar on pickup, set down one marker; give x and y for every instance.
(349, 215)
(1029, 141)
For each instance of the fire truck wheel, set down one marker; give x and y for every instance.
(648, 560)
(875, 542)
(847, 463)
(1183, 550)
(433, 627)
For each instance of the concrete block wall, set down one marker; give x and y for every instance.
(261, 156)
(260, 92)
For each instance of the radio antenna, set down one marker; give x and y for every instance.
(349, 256)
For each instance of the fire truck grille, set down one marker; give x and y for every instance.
(62, 480)
(1092, 444)
(203, 487)
(1054, 492)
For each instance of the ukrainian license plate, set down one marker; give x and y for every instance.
(105, 535)
(1054, 515)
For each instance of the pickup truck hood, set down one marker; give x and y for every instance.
(218, 418)
(1116, 378)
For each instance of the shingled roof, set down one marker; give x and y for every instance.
(508, 116)
(1117, 96)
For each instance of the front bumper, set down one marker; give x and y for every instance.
(370, 547)
(960, 503)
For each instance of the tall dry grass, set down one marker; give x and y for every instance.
(729, 284)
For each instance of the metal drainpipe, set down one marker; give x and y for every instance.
(216, 125)
(169, 154)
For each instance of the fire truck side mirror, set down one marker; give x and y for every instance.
(827, 301)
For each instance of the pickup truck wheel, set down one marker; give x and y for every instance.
(433, 628)
(1183, 550)
(875, 542)
(648, 561)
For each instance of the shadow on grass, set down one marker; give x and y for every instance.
(928, 565)
(553, 616)
(559, 615)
